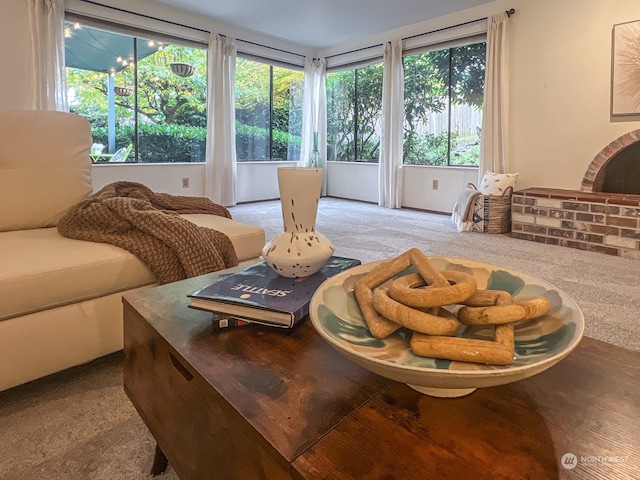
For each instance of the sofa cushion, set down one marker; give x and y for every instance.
(42, 269)
(44, 167)
(248, 240)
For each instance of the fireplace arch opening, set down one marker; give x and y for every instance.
(616, 168)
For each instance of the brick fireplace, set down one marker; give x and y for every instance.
(603, 216)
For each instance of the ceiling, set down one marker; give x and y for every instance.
(322, 23)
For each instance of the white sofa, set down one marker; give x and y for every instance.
(61, 299)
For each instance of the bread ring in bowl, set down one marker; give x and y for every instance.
(444, 323)
(524, 308)
(405, 290)
(379, 326)
(486, 298)
(493, 352)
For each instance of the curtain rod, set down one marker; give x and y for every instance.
(509, 12)
(270, 48)
(186, 26)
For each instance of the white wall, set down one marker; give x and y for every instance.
(256, 180)
(435, 188)
(359, 181)
(259, 180)
(560, 89)
(14, 51)
(165, 177)
(353, 180)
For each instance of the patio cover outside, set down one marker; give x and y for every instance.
(96, 50)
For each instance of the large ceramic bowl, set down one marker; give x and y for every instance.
(539, 343)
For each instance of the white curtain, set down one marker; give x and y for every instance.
(47, 85)
(314, 111)
(495, 121)
(390, 167)
(221, 169)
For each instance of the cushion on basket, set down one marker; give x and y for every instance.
(496, 183)
(477, 216)
(465, 209)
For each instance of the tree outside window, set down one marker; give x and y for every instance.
(443, 93)
(268, 111)
(354, 114)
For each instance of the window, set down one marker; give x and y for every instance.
(145, 99)
(443, 93)
(354, 114)
(268, 111)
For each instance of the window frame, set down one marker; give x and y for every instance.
(449, 46)
(272, 64)
(355, 67)
(136, 34)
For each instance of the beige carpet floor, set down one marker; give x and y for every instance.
(74, 425)
(79, 424)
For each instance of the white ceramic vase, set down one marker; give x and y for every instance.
(299, 251)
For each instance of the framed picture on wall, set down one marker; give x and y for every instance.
(625, 78)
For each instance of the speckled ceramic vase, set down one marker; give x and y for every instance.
(299, 251)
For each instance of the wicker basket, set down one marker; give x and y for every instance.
(497, 211)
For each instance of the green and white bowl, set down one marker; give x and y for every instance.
(539, 343)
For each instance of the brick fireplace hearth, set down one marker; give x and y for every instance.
(587, 219)
(598, 222)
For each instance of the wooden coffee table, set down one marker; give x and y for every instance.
(267, 403)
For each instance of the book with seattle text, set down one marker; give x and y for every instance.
(258, 294)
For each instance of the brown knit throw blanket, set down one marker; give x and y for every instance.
(147, 224)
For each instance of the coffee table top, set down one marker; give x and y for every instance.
(330, 418)
(289, 383)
